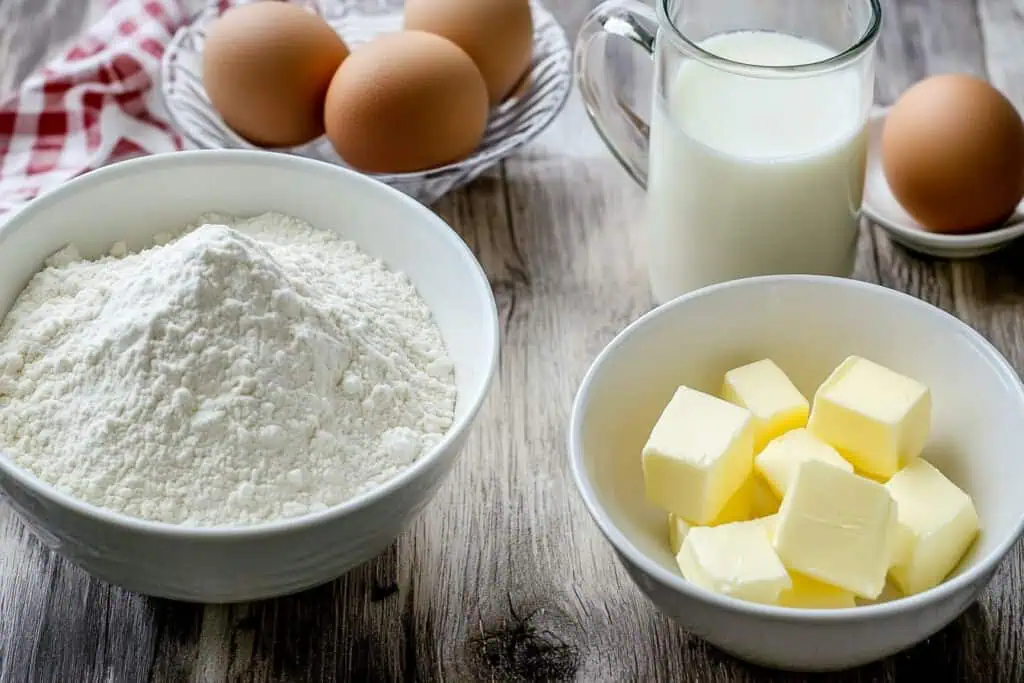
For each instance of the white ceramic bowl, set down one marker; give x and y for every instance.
(807, 324)
(134, 200)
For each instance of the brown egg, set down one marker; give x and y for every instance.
(405, 102)
(497, 34)
(266, 69)
(953, 154)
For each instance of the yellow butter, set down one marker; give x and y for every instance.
(698, 455)
(808, 593)
(739, 508)
(753, 499)
(763, 501)
(745, 504)
(778, 462)
(763, 389)
(835, 526)
(888, 594)
(902, 541)
(734, 559)
(942, 523)
(677, 530)
(767, 523)
(878, 419)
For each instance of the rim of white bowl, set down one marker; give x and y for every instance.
(215, 157)
(624, 545)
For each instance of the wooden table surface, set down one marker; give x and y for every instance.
(504, 578)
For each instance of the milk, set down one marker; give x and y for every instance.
(752, 176)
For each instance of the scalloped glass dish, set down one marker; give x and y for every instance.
(512, 124)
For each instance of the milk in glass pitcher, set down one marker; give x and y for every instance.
(754, 158)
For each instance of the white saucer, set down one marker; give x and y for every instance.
(882, 208)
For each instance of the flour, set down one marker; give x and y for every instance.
(244, 371)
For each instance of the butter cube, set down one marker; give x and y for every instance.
(779, 460)
(807, 593)
(835, 526)
(878, 419)
(753, 500)
(889, 593)
(698, 455)
(767, 523)
(734, 559)
(942, 523)
(763, 501)
(740, 508)
(677, 530)
(764, 390)
(902, 538)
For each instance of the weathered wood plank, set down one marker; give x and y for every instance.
(347, 630)
(990, 297)
(504, 578)
(31, 31)
(58, 623)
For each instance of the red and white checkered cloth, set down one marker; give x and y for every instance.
(95, 104)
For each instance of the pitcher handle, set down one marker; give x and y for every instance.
(624, 131)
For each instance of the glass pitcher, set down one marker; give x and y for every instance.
(755, 154)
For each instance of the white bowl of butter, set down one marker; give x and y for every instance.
(955, 412)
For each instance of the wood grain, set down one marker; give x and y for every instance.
(504, 578)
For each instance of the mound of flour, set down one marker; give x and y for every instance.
(245, 371)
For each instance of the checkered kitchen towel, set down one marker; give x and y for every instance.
(95, 104)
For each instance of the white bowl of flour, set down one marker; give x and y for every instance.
(231, 375)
